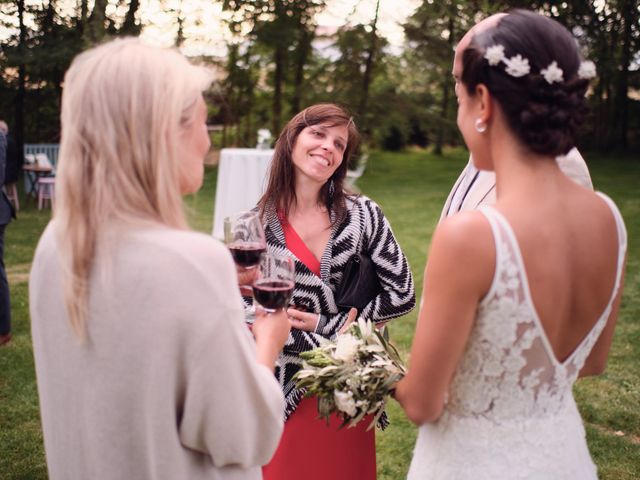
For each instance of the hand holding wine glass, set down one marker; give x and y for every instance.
(270, 331)
(275, 280)
(244, 236)
(246, 277)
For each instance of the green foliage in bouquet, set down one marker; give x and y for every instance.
(352, 376)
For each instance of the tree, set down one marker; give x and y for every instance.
(279, 64)
(14, 71)
(96, 22)
(282, 27)
(368, 68)
(238, 97)
(130, 25)
(609, 31)
(629, 14)
(34, 59)
(306, 29)
(20, 98)
(432, 33)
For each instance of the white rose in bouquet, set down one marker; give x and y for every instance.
(345, 402)
(347, 347)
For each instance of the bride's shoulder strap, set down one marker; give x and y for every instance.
(499, 224)
(620, 226)
(622, 239)
(504, 242)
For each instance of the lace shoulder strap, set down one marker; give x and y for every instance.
(505, 249)
(493, 217)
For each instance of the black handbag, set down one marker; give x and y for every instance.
(359, 284)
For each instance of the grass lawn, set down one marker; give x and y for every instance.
(411, 188)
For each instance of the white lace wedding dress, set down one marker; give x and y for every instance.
(511, 412)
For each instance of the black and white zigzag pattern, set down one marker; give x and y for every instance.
(365, 227)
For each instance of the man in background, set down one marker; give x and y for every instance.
(14, 158)
(6, 213)
(474, 187)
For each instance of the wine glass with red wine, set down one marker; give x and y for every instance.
(244, 236)
(274, 284)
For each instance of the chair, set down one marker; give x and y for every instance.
(30, 178)
(42, 160)
(12, 194)
(46, 191)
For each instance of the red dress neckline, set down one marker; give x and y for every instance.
(296, 245)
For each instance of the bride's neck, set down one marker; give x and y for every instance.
(520, 171)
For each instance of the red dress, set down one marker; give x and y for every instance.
(309, 448)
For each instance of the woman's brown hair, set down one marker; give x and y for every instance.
(280, 190)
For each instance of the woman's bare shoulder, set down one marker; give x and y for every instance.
(463, 249)
(465, 230)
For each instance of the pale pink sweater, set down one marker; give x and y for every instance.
(167, 387)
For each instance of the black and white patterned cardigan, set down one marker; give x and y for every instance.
(364, 227)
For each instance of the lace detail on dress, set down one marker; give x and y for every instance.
(511, 412)
(509, 369)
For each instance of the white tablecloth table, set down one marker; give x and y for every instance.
(242, 178)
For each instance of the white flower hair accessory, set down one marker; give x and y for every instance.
(587, 70)
(517, 66)
(494, 55)
(552, 73)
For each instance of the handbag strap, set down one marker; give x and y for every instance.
(360, 246)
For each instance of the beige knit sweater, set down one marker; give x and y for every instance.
(167, 387)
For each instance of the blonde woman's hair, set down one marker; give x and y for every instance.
(124, 107)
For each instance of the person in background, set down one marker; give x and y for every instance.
(516, 306)
(7, 212)
(14, 158)
(478, 187)
(145, 367)
(311, 218)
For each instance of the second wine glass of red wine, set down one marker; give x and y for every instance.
(244, 236)
(275, 280)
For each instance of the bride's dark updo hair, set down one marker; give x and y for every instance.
(544, 116)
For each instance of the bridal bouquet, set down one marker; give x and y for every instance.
(353, 375)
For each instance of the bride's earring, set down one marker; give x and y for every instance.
(481, 127)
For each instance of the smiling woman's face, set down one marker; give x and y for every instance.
(319, 150)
